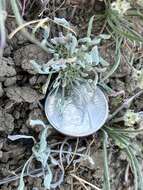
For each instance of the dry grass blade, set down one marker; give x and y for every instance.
(126, 104)
(24, 31)
(40, 22)
(73, 154)
(85, 182)
(19, 28)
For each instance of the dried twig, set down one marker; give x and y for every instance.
(125, 105)
(84, 181)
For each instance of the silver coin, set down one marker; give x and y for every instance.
(80, 114)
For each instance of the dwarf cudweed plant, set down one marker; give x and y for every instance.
(119, 16)
(73, 60)
(131, 118)
(50, 159)
(137, 76)
(121, 6)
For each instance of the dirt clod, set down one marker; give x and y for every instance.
(18, 39)
(7, 68)
(23, 56)
(23, 94)
(6, 122)
(1, 90)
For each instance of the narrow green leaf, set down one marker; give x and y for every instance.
(95, 55)
(90, 25)
(48, 178)
(106, 168)
(21, 182)
(133, 166)
(117, 60)
(138, 168)
(2, 24)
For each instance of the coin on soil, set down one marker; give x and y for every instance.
(80, 114)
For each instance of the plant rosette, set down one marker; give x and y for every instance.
(74, 100)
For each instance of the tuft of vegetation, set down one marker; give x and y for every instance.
(123, 140)
(119, 16)
(73, 60)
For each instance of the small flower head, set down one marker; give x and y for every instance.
(140, 2)
(138, 77)
(121, 6)
(131, 118)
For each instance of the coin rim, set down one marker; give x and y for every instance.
(82, 135)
